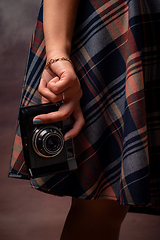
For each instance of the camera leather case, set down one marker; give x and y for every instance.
(45, 150)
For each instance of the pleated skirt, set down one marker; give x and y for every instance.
(116, 55)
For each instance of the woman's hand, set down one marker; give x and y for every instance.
(59, 82)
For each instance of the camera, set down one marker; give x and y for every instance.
(45, 150)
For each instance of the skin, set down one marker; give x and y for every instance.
(60, 77)
(94, 219)
(97, 219)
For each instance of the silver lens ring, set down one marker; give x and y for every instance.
(47, 141)
(53, 143)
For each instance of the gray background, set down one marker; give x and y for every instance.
(26, 213)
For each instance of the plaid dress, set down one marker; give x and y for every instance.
(116, 54)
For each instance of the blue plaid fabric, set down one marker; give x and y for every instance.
(116, 54)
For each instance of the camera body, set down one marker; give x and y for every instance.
(45, 150)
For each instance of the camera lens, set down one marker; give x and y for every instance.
(47, 141)
(53, 143)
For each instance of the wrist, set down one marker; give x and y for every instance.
(54, 60)
(56, 51)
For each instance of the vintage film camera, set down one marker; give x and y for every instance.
(45, 150)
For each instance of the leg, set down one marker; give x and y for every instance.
(94, 219)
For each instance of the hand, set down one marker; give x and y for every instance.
(61, 78)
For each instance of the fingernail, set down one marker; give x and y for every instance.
(66, 139)
(37, 121)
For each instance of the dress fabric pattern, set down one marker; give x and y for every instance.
(116, 54)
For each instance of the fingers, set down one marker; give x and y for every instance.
(45, 92)
(44, 100)
(63, 113)
(69, 87)
(78, 124)
(66, 80)
(52, 86)
(57, 84)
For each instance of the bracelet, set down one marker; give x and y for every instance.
(56, 60)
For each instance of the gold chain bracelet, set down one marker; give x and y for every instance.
(56, 60)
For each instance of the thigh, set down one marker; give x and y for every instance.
(94, 219)
(109, 212)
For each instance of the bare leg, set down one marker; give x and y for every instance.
(94, 219)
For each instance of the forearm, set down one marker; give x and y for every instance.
(59, 18)
(59, 82)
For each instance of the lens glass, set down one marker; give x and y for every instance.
(48, 141)
(53, 143)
